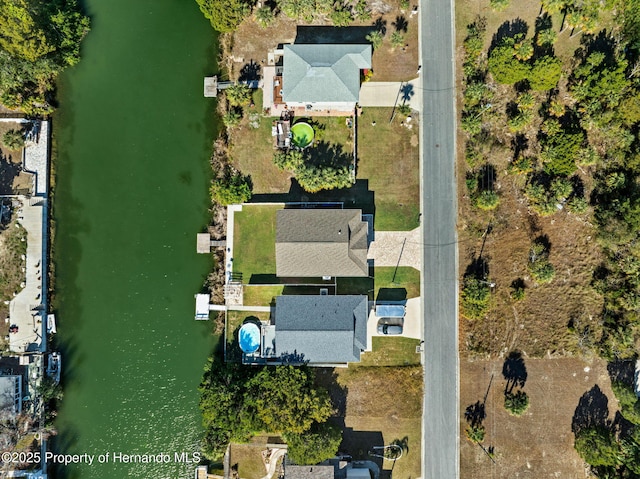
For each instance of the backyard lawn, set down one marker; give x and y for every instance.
(388, 156)
(254, 242)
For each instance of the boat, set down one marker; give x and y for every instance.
(54, 366)
(51, 324)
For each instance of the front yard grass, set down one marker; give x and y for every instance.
(382, 405)
(384, 286)
(391, 352)
(388, 156)
(254, 242)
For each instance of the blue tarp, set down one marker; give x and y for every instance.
(390, 310)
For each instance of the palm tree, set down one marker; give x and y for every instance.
(375, 37)
(264, 16)
(13, 139)
(553, 6)
(238, 95)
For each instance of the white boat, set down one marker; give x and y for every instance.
(54, 366)
(51, 324)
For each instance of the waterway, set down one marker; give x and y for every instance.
(133, 136)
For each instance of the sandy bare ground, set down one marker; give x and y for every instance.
(540, 443)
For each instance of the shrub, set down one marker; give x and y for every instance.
(487, 200)
(231, 118)
(499, 5)
(231, 189)
(475, 433)
(518, 292)
(577, 205)
(541, 270)
(476, 296)
(597, 446)
(516, 403)
(520, 166)
(545, 73)
(13, 139)
(505, 68)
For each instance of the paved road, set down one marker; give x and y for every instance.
(440, 260)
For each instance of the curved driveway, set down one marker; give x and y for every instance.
(440, 252)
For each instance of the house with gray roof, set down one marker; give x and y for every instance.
(308, 472)
(323, 77)
(317, 330)
(321, 242)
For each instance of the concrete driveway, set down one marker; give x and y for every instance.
(387, 93)
(412, 323)
(390, 246)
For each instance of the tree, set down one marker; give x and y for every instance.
(238, 94)
(597, 446)
(505, 67)
(232, 188)
(224, 15)
(545, 73)
(318, 444)
(13, 139)
(375, 37)
(546, 36)
(516, 403)
(397, 39)
(264, 16)
(475, 297)
(553, 6)
(341, 17)
(283, 399)
(523, 50)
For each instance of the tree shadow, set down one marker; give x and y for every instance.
(622, 371)
(478, 268)
(400, 24)
(519, 144)
(543, 240)
(406, 92)
(509, 29)
(601, 42)
(329, 154)
(518, 284)
(250, 71)
(328, 379)
(475, 414)
(514, 371)
(9, 171)
(380, 25)
(592, 411)
(487, 177)
(402, 443)
(391, 294)
(543, 22)
(578, 186)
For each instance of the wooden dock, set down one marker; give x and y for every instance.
(204, 243)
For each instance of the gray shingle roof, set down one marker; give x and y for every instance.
(323, 72)
(322, 329)
(321, 242)
(308, 472)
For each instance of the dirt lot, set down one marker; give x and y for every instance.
(373, 413)
(251, 42)
(539, 324)
(540, 443)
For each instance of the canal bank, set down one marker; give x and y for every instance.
(133, 139)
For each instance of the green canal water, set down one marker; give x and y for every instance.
(133, 135)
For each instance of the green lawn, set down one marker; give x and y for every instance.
(261, 295)
(384, 286)
(254, 242)
(406, 279)
(388, 156)
(252, 151)
(391, 352)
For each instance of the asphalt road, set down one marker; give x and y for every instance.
(441, 429)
